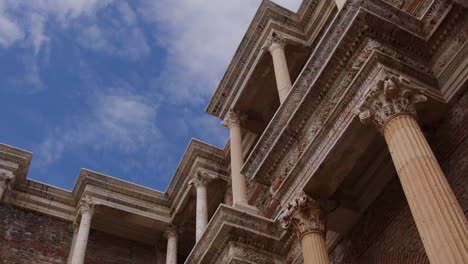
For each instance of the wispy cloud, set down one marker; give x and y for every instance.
(10, 32)
(119, 122)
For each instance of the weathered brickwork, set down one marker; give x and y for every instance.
(387, 232)
(28, 237)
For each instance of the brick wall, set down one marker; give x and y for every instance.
(28, 237)
(387, 232)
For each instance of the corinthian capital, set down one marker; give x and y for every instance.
(304, 216)
(201, 178)
(275, 41)
(232, 118)
(392, 95)
(87, 205)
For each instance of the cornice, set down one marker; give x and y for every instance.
(16, 160)
(267, 12)
(229, 225)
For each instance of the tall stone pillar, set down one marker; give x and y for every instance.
(200, 182)
(239, 193)
(390, 106)
(307, 219)
(171, 254)
(73, 242)
(276, 45)
(86, 210)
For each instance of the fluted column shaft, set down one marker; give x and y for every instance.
(305, 217)
(202, 210)
(438, 216)
(314, 248)
(390, 106)
(79, 250)
(171, 254)
(276, 46)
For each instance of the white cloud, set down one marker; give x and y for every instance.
(9, 31)
(119, 122)
(200, 37)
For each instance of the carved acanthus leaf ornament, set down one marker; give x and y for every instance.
(87, 206)
(304, 216)
(391, 96)
(201, 178)
(275, 41)
(233, 118)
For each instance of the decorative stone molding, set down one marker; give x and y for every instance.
(392, 96)
(304, 216)
(87, 206)
(233, 118)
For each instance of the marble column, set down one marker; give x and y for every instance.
(200, 181)
(171, 254)
(390, 106)
(276, 45)
(73, 242)
(86, 210)
(305, 217)
(239, 192)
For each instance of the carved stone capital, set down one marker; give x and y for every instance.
(304, 216)
(393, 95)
(87, 206)
(201, 179)
(233, 118)
(275, 41)
(170, 232)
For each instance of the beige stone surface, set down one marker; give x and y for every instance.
(276, 45)
(438, 216)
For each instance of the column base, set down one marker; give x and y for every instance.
(246, 207)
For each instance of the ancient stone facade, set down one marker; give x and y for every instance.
(348, 144)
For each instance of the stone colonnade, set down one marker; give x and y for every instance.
(390, 106)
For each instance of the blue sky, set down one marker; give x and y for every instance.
(114, 86)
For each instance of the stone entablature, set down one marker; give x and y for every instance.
(108, 191)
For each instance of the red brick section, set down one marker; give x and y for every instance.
(32, 238)
(387, 233)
